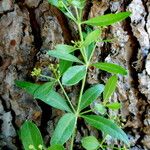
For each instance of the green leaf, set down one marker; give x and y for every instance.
(106, 126)
(73, 75)
(100, 108)
(58, 3)
(69, 15)
(92, 37)
(108, 19)
(90, 95)
(45, 93)
(89, 50)
(30, 135)
(65, 48)
(63, 55)
(54, 2)
(110, 67)
(110, 87)
(64, 65)
(90, 143)
(114, 106)
(64, 129)
(78, 3)
(28, 86)
(54, 99)
(56, 147)
(43, 90)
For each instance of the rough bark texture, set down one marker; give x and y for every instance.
(28, 28)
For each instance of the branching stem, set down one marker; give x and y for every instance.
(68, 99)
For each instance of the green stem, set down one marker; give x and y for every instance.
(102, 142)
(78, 111)
(68, 99)
(85, 112)
(77, 14)
(81, 93)
(82, 50)
(47, 77)
(73, 135)
(84, 79)
(92, 52)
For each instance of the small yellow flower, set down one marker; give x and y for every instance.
(31, 147)
(36, 72)
(40, 147)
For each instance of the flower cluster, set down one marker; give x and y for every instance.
(36, 72)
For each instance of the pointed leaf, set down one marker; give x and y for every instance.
(92, 37)
(114, 106)
(54, 99)
(63, 55)
(45, 93)
(110, 87)
(73, 75)
(56, 147)
(30, 135)
(64, 129)
(90, 143)
(110, 67)
(90, 95)
(106, 126)
(108, 19)
(28, 86)
(43, 89)
(65, 48)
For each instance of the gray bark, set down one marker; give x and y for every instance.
(28, 28)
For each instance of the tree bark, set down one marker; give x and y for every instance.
(28, 28)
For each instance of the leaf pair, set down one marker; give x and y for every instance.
(45, 93)
(106, 126)
(112, 81)
(76, 73)
(66, 124)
